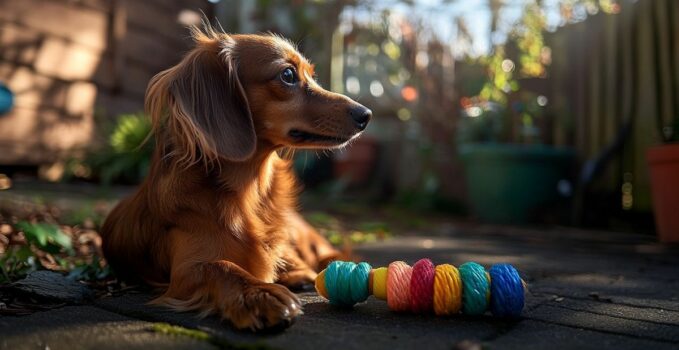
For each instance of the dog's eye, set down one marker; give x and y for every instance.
(288, 76)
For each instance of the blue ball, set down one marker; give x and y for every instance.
(6, 99)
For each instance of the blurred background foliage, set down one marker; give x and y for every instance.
(595, 77)
(436, 75)
(125, 156)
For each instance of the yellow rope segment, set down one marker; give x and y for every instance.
(447, 290)
(380, 283)
(320, 285)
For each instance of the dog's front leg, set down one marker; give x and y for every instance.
(296, 274)
(222, 287)
(313, 249)
(307, 253)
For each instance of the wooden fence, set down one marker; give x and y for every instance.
(608, 71)
(70, 62)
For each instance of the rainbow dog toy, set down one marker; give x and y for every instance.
(422, 288)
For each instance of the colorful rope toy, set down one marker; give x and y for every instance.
(443, 289)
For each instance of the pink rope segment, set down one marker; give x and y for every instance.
(398, 286)
(422, 286)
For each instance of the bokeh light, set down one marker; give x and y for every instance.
(404, 114)
(376, 88)
(353, 85)
(409, 93)
(507, 65)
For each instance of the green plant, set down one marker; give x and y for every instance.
(46, 237)
(482, 122)
(16, 263)
(90, 271)
(488, 116)
(48, 247)
(20, 260)
(126, 155)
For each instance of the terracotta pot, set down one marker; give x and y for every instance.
(663, 162)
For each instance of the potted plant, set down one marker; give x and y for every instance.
(663, 164)
(508, 182)
(512, 171)
(663, 159)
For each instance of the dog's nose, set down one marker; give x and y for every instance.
(361, 116)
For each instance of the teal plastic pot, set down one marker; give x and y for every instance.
(509, 183)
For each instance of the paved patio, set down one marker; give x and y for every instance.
(587, 290)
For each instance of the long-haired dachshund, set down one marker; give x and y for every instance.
(215, 222)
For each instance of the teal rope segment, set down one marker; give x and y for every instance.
(475, 288)
(331, 278)
(359, 282)
(344, 284)
(347, 282)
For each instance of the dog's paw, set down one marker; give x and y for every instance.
(265, 306)
(298, 280)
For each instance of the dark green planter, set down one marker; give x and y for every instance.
(507, 183)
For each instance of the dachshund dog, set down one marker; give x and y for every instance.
(214, 224)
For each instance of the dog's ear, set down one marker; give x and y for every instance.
(208, 105)
(208, 90)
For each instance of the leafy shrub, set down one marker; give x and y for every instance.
(46, 237)
(482, 122)
(46, 246)
(125, 157)
(21, 260)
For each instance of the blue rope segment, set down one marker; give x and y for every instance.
(507, 294)
(347, 282)
(475, 288)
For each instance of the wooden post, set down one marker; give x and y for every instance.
(117, 30)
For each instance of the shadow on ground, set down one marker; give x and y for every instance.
(588, 290)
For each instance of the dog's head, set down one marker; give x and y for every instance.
(232, 93)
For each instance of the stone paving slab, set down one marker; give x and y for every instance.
(86, 327)
(530, 334)
(368, 325)
(607, 324)
(605, 308)
(649, 276)
(587, 290)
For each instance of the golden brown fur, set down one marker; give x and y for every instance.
(215, 222)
